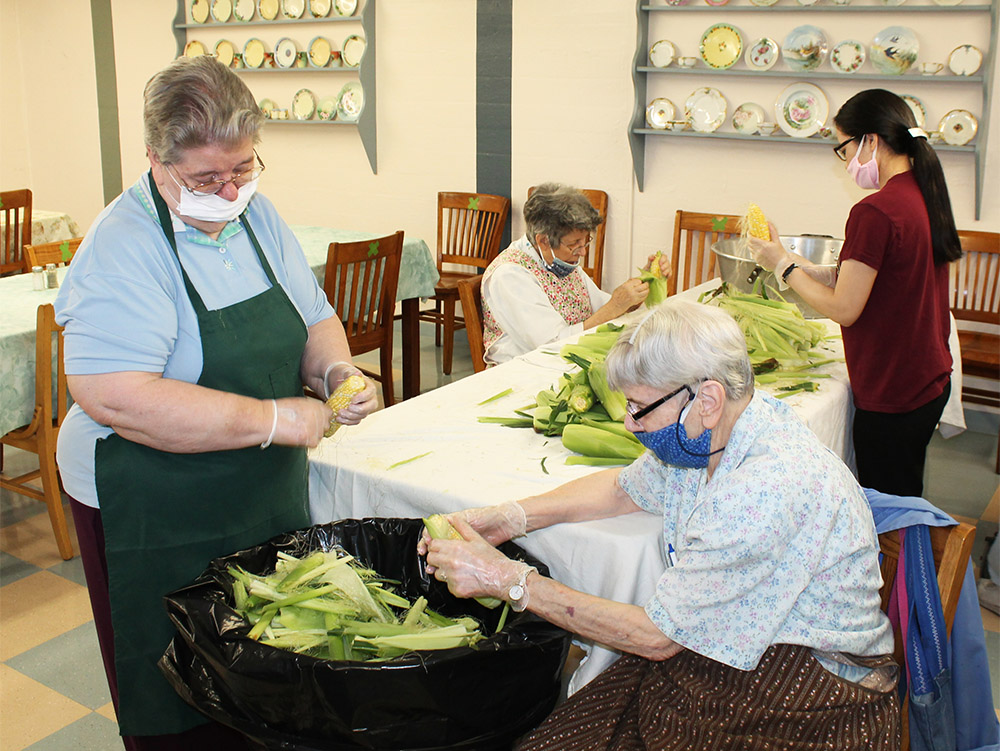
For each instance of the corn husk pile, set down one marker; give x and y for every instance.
(330, 606)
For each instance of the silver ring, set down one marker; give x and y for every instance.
(444, 577)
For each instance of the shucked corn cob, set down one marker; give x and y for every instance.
(754, 223)
(653, 276)
(341, 397)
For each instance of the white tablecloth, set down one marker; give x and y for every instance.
(473, 464)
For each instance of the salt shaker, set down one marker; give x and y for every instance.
(51, 280)
(38, 277)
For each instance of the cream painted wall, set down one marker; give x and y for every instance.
(49, 136)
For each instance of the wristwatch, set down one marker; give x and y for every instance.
(517, 595)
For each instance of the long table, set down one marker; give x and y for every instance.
(464, 463)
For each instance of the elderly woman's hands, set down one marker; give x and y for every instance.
(666, 270)
(362, 404)
(628, 296)
(496, 524)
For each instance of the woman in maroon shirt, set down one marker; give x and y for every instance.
(890, 292)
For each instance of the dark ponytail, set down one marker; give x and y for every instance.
(885, 114)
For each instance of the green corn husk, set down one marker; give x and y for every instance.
(580, 399)
(439, 528)
(591, 441)
(612, 401)
(657, 288)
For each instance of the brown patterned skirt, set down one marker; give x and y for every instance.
(789, 703)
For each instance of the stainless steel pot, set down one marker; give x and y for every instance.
(736, 265)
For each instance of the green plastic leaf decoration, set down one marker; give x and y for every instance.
(474, 203)
(719, 223)
(64, 250)
(1, 203)
(373, 249)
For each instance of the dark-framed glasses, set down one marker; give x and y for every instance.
(638, 414)
(239, 179)
(839, 148)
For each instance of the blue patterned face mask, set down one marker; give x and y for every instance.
(560, 268)
(671, 444)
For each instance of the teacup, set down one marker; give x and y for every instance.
(929, 69)
(766, 129)
(687, 62)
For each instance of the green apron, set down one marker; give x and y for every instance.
(167, 515)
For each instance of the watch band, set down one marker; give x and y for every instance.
(787, 271)
(518, 593)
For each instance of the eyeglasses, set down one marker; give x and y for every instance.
(839, 149)
(578, 246)
(239, 179)
(638, 414)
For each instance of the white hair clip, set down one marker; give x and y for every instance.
(917, 133)
(631, 339)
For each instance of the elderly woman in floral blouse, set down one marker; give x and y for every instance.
(536, 291)
(765, 630)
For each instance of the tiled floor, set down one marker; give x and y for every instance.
(53, 694)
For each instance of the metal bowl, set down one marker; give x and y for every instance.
(736, 265)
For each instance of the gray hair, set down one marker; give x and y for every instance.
(682, 342)
(194, 102)
(555, 210)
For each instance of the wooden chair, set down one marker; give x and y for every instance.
(593, 262)
(15, 205)
(691, 258)
(974, 297)
(952, 548)
(40, 435)
(360, 283)
(470, 293)
(54, 252)
(470, 226)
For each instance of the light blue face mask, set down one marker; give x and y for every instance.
(671, 444)
(561, 268)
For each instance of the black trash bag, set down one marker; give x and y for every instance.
(468, 698)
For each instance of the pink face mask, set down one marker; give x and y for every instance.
(865, 175)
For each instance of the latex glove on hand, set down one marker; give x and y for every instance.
(362, 404)
(496, 524)
(472, 567)
(770, 254)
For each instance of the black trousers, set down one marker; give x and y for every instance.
(891, 449)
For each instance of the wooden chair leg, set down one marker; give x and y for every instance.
(53, 499)
(998, 456)
(437, 323)
(385, 370)
(449, 336)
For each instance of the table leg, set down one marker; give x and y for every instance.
(411, 347)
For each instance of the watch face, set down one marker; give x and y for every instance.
(516, 592)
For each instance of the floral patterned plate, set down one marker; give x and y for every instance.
(293, 8)
(303, 105)
(320, 51)
(268, 9)
(199, 11)
(705, 109)
(661, 54)
(243, 10)
(319, 8)
(353, 50)
(965, 60)
(748, 118)
(660, 114)
(804, 48)
(253, 53)
(848, 56)
(350, 102)
(225, 53)
(801, 110)
(721, 46)
(958, 127)
(222, 10)
(762, 54)
(326, 108)
(345, 7)
(917, 107)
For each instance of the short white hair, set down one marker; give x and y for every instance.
(681, 342)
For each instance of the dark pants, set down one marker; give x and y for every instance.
(90, 534)
(891, 449)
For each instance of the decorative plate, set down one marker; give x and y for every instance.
(225, 53)
(326, 108)
(285, 53)
(303, 105)
(243, 10)
(199, 11)
(194, 48)
(345, 7)
(894, 50)
(660, 114)
(965, 60)
(253, 53)
(320, 8)
(293, 9)
(661, 54)
(748, 118)
(268, 9)
(893, 2)
(848, 56)
(721, 46)
(222, 10)
(958, 127)
(677, 2)
(320, 51)
(807, 2)
(350, 102)
(353, 50)
(804, 48)
(762, 54)
(948, 2)
(705, 109)
(917, 107)
(801, 110)
(763, 3)
(716, 2)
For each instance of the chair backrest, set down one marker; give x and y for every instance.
(360, 283)
(470, 227)
(15, 208)
(952, 547)
(46, 331)
(593, 262)
(54, 252)
(691, 258)
(470, 292)
(974, 289)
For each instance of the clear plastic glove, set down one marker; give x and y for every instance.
(472, 567)
(823, 274)
(301, 421)
(362, 404)
(770, 254)
(496, 524)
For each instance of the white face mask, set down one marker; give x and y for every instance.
(213, 207)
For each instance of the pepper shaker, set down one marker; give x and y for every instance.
(38, 278)
(51, 280)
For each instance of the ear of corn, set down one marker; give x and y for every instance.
(341, 397)
(653, 276)
(439, 528)
(754, 223)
